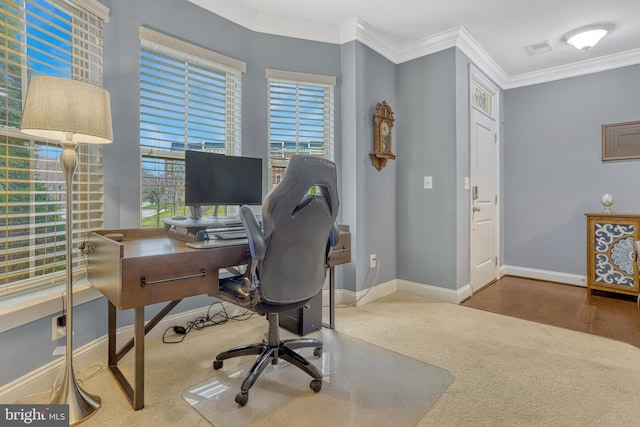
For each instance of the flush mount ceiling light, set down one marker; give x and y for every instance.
(585, 38)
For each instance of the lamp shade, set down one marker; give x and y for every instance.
(58, 107)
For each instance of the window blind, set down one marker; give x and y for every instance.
(61, 38)
(188, 101)
(300, 118)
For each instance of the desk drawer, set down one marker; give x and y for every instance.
(139, 272)
(154, 279)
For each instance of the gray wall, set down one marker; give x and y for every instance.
(426, 146)
(553, 173)
(462, 169)
(369, 196)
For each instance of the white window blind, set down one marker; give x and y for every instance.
(44, 37)
(300, 118)
(190, 99)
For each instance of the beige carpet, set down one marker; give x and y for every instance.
(508, 372)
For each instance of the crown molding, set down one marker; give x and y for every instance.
(455, 37)
(358, 29)
(476, 53)
(429, 45)
(589, 66)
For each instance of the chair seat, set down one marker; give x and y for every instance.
(233, 290)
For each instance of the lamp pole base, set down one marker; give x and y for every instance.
(82, 405)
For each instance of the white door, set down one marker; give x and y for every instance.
(483, 152)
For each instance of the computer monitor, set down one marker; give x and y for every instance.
(215, 179)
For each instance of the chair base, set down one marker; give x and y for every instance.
(270, 351)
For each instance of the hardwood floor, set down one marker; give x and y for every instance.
(606, 314)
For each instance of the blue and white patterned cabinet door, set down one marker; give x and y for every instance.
(614, 254)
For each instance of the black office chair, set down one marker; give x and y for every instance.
(289, 261)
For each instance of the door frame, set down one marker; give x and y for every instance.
(475, 74)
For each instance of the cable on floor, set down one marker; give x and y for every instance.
(218, 318)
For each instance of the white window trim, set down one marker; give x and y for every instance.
(300, 78)
(172, 45)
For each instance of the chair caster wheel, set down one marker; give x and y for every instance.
(217, 364)
(317, 352)
(315, 385)
(242, 398)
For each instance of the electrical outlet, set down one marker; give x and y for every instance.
(373, 261)
(57, 332)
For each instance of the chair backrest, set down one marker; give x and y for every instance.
(297, 218)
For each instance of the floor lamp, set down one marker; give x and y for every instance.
(71, 112)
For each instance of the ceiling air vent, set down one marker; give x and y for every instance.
(538, 48)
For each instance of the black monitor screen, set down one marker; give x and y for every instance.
(216, 179)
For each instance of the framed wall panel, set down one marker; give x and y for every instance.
(621, 141)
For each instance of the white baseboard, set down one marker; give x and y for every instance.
(362, 297)
(370, 294)
(551, 276)
(42, 379)
(435, 292)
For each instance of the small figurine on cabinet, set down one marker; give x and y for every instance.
(382, 139)
(607, 202)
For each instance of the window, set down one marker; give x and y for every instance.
(53, 38)
(300, 118)
(189, 100)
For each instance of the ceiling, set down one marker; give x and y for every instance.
(493, 33)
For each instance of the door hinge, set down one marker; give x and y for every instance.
(495, 137)
(496, 261)
(496, 199)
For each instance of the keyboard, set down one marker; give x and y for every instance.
(216, 243)
(228, 235)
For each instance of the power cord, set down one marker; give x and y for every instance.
(366, 277)
(218, 318)
(80, 377)
(375, 279)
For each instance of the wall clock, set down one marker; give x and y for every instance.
(382, 136)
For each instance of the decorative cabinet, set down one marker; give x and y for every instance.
(611, 254)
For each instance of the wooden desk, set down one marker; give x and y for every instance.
(147, 267)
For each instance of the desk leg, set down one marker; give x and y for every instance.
(134, 394)
(111, 335)
(332, 301)
(138, 338)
